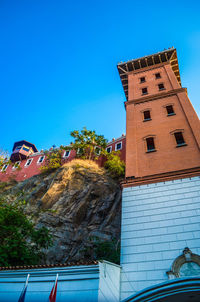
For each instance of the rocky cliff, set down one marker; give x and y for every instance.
(77, 202)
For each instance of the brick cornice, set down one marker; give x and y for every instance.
(156, 96)
(130, 182)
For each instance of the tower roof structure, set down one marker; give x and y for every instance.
(165, 56)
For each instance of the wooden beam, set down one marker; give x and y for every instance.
(139, 63)
(122, 69)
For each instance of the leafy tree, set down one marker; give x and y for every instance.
(115, 165)
(103, 250)
(53, 160)
(108, 250)
(3, 158)
(20, 242)
(88, 144)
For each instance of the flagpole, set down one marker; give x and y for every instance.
(23, 293)
(55, 283)
(27, 279)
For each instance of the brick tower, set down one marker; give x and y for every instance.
(161, 195)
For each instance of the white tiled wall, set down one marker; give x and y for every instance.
(158, 221)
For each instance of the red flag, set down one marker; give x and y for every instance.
(52, 297)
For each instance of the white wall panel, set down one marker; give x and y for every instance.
(158, 222)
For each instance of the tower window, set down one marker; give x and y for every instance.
(142, 80)
(147, 115)
(144, 91)
(150, 144)
(25, 148)
(161, 86)
(170, 110)
(157, 75)
(179, 139)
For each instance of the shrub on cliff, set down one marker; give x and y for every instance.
(20, 242)
(53, 160)
(115, 165)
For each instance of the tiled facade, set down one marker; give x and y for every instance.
(158, 221)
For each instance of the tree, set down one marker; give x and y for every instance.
(20, 242)
(53, 160)
(88, 144)
(3, 158)
(115, 165)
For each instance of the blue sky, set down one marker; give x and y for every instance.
(58, 62)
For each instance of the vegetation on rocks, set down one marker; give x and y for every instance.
(75, 202)
(115, 165)
(53, 160)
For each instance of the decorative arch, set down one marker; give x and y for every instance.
(180, 263)
(177, 130)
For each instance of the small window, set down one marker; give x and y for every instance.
(4, 167)
(29, 161)
(66, 153)
(150, 144)
(18, 148)
(144, 91)
(170, 110)
(179, 139)
(25, 149)
(142, 80)
(147, 115)
(41, 159)
(97, 150)
(157, 75)
(118, 146)
(161, 86)
(80, 151)
(16, 165)
(109, 149)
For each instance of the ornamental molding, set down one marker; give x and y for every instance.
(187, 256)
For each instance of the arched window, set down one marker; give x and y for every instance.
(150, 143)
(179, 138)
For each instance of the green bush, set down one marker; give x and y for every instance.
(20, 242)
(115, 165)
(53, 160)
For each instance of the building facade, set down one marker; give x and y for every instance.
(160, 225)
(161, 196)
(26, 160)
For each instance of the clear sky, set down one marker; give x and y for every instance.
(58, 62)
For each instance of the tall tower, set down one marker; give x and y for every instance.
(161, 193)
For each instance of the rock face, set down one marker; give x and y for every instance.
(76, 203)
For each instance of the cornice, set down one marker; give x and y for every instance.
(156, 96)
(131, 181)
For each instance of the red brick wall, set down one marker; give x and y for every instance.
(34, 168)
(167, 157)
